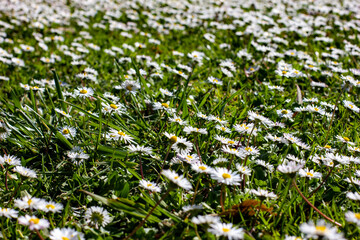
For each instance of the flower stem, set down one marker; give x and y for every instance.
(162, 167)
(322, 183)
(39, 235)
(311, 205)
(196, 188)
(12, 197)
(221, 197)
(148, 215)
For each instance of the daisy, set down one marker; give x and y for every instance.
(217, 119)
(68, 132)
(77, 153)
(8, 212)
(66, 234)
(97, 216)
(166, 92)
(113, 108)
(223, 129)
(321, 229)
(182, 146)
(140, 149)
(246, 128)
(309, 173)
(344, 140)
(353, 196)
(243, 169)
(285, 113)
(191, 159)
(206, 219)
(190, 129)
(265, 164)
(250, 151)
(262, 193)
(226, 230)
(201, 115)
(51, 207)
(130, 86)
(192, 207)
(201, 168)
(289, 168)
(215, 81)
(119, 135)
(151, 186)
(353, 217)
(178, 180)
(84, 92)
(178, 120)
(10, 159)
(223, 175)
(26, 172)
(33, 222)
(28, 202)
(63, 113)
(163, 106)
(351, 106)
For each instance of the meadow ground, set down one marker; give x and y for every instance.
(165, 119)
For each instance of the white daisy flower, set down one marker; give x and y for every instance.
(151, 186)
(66, 234)
(97, 216)
(178, 180)
(225, 176)
(226, 230)
(33, 222)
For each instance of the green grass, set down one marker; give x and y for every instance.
(109, 175)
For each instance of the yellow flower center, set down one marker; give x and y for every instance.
(226, 175)
(357, 215)
(64, 238)
(252, 69)
(173, 139)
(34, 220)
(310, 174)
(202, 168)
(316, 109)
(129, 87)
(284, 72)
(292, 53)
(180, 72)
(320, 228)
(83, 91)
(310, 66)
(222, 128)
(50, 206)
(176, 177)
(66, 131)
(178, 120)
(249, 149)
(121, 133)
(113, 106)
(149, 185)
(351, 106)
(226, 229)
(231, 142)
(346, 139)
(284, 111)
(165, 105)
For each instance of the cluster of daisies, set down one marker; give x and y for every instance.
(195, 100)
